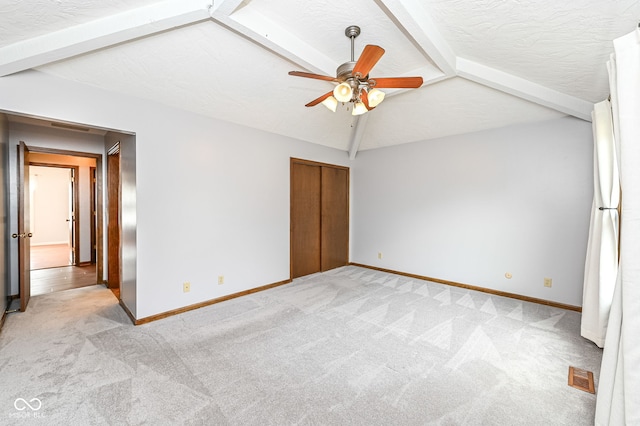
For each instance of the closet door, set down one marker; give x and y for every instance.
(319, 217)
(305, 219)
(334, 241)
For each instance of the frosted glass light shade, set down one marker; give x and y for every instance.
(375, 96)
(359, 109)
(330, 103)
(343, 92)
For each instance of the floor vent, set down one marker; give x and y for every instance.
(581, 379)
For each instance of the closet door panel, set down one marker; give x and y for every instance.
(335, 218)
(305, 219)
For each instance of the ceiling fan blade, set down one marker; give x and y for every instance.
(369, 57)
(397, 82)
(320, 99)
(311, 75)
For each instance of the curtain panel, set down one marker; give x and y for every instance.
(619, 385)
(601, 265)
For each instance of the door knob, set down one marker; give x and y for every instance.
(29, 235)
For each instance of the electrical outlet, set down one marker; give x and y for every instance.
(379, 255)
(220, 279)
(186, 287)
(547, 282)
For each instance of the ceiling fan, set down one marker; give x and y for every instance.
(354, 83)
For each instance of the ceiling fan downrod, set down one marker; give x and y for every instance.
(352, 31)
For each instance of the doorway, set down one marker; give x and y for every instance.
(54, 203)
(62, 199)
(319, 217)
(54, 137)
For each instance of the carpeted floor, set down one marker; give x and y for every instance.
(350, 346)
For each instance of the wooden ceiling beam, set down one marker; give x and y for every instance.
(524, 89)
(101, 33)
(263, 31)
(417, 26)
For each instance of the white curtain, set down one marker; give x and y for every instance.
(601, 265)
(618, 401)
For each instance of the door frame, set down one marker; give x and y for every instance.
(99, 189)
(114, 223)
(93, 178)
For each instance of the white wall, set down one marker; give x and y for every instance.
(470, 208)
(212, 197)
(49, 187)
(127, 215)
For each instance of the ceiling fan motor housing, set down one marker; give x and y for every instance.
(344, 73)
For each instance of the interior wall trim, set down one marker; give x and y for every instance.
(163, 315)
(476, 288)
(99, 189)
(317, 163)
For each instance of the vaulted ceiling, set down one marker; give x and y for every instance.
(485, 63)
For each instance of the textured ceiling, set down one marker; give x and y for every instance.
(485, 63)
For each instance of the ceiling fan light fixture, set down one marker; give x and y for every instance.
(375, 97)
(359, 108)
(343, 92)
(331, 103)
(354, 81)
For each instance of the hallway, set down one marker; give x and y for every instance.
(49, 256)
(50, 270)
(64, 278)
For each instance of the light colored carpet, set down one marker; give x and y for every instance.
(350, 346)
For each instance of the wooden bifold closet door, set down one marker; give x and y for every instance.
(319, 217)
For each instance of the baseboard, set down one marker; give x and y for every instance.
(4, 312)
(84, 263)
(50, 243)
(8, 301)
(472, 287)
(127, 311)
(202, 304)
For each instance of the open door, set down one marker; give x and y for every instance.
(24, 226)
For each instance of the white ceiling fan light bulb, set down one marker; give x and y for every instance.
(375, 97)
(359, 108)
(343, 92)
(331, 103)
